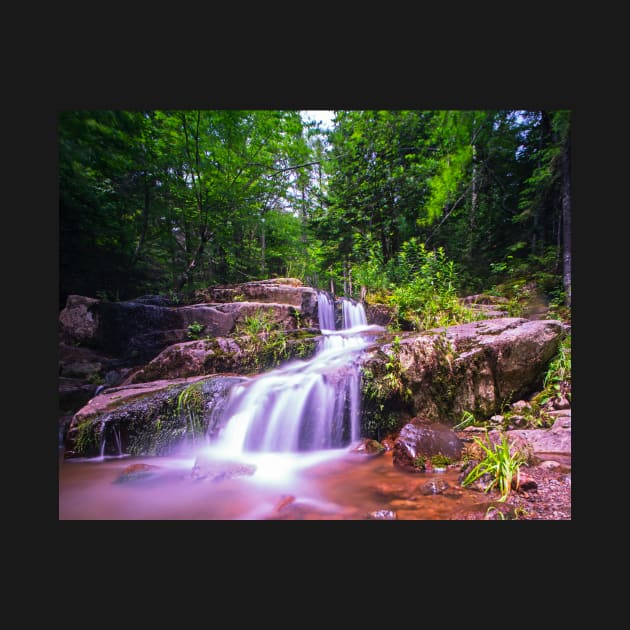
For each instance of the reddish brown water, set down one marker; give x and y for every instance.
(339, 485)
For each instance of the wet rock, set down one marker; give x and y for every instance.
(136, 472)
(388, 443)
(424, 439)
(382, 515)
(137, 412)
(525, 483)
(434, 486)
(284, 501)
(369, 447)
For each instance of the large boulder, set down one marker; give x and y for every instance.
(242, 355)
(543, 442)
(476, 367)
(157, 418)
(419, 438)
(77, 321)
(137, 330)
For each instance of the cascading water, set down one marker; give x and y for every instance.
(306, 405)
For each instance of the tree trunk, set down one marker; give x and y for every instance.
(145, 224)
(538, 229)
(473, 204)
(263, 265)
(186, 275)
(566, 218)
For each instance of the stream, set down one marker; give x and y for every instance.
(297, 428)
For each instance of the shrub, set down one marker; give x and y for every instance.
(501, 463)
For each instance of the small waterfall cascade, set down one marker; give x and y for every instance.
(305, 405)
(114, 434)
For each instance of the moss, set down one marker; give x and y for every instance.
(383, 410)
(190, 406)
(444, 384)
(150, 424)
(439, 460)
(155, 431)
(87, 438)
(270, 350)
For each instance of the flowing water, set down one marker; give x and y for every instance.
(296, 427)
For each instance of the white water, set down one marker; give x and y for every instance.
(303, 406)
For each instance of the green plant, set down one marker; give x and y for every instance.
(190, 403)
(500, 463)
(492, 511)
(467, 420)
(194, 330)
(557, 379)
(394, 370)
(260, 322)
(87, 438)
(560, 368)
(440, 461)
(420, 462)
(95, 379)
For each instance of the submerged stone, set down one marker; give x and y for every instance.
(136, 472)
(207, 467)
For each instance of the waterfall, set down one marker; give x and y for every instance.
(325, 311)
(113, 432)
(305, 405)
(353, 314)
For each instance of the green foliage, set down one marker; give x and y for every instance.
(265, 342)
(501, 463)
(420, 462)
(394, 371)
(190, 405)
(468, 419)
(426, 295)
(158, 200)
(557, 379)
(260, 322)
(440, 461)
(87, 439)
(381, 409)
(194, 330)
(559, 369)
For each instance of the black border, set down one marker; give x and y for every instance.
(354, 81)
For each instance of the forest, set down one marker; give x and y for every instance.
(396, 206)
(251, 302)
